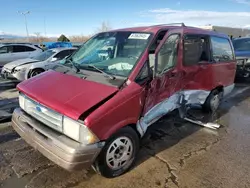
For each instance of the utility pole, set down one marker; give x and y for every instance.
(25, 20)
(45, 33)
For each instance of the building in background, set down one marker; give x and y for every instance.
(230, 31)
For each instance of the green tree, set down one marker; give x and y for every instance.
(63, 38)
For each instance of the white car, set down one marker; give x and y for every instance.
(12, 52)
(24, 69)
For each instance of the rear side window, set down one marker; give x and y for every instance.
(19, 48)
(222, 50)
(69, 52)
(63, 54)
(196, 49)
(29, 49)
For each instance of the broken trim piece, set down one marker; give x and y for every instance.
(207, 125)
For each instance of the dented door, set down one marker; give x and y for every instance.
(166, 81)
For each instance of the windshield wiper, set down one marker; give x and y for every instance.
(73, 65)
(101, 71)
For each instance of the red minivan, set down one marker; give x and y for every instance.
(93, 108)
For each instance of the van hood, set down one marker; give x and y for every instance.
(66, 94)
(19, 62)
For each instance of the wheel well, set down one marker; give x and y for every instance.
(33, 70)
(133, 126)
(219, 88)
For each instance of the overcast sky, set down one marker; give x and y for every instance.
(77, 17)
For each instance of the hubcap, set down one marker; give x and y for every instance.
(215, 102)
(119, 153)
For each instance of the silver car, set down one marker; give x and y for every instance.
(23, 69)
(12, 52)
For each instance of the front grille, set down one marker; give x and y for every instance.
(5, 70)
(43, 114)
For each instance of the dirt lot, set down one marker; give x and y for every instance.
(174, 153)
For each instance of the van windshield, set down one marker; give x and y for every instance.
(113, 52)
(242, 44)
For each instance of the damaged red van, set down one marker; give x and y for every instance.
(93, 107)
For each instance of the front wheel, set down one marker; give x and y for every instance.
(35, 72)
(119, 153)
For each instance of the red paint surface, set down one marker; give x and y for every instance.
(66, 94)
(72, 96)
(123, 109)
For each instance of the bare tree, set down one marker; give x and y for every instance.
(105, 26)
(38, 36)
(79, 38)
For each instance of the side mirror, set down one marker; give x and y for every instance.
(54, 59)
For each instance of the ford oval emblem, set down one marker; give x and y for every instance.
(38, 109)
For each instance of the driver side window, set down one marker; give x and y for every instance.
(167, 56)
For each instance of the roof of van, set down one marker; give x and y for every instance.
(155, 28)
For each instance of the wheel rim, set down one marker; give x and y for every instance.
(119, 153)
(215, 102)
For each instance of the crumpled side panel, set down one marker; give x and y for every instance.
(170, 104)
(195, 96)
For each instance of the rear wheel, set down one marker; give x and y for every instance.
(119, 153)
(35, 72)
(213, 101)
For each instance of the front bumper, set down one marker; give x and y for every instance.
(60, 149)
(7, 74)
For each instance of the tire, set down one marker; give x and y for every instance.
(213, 101)
(35, 72)
(114, 159)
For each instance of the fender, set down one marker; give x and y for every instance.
(119, 125)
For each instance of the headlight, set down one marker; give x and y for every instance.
(78, 131)
(19, 70)
(21, 101)
(248, 60)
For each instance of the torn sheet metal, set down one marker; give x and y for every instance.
(195, 96)
(168, 105)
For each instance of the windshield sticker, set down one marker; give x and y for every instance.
(142, 36)
(120, 66)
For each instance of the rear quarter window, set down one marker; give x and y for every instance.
(29, 49)
(221, 49)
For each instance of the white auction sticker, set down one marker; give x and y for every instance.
(142, 36)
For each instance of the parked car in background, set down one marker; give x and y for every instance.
(94, 109)
(242, 52)
(12, 52)
(23, 69)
